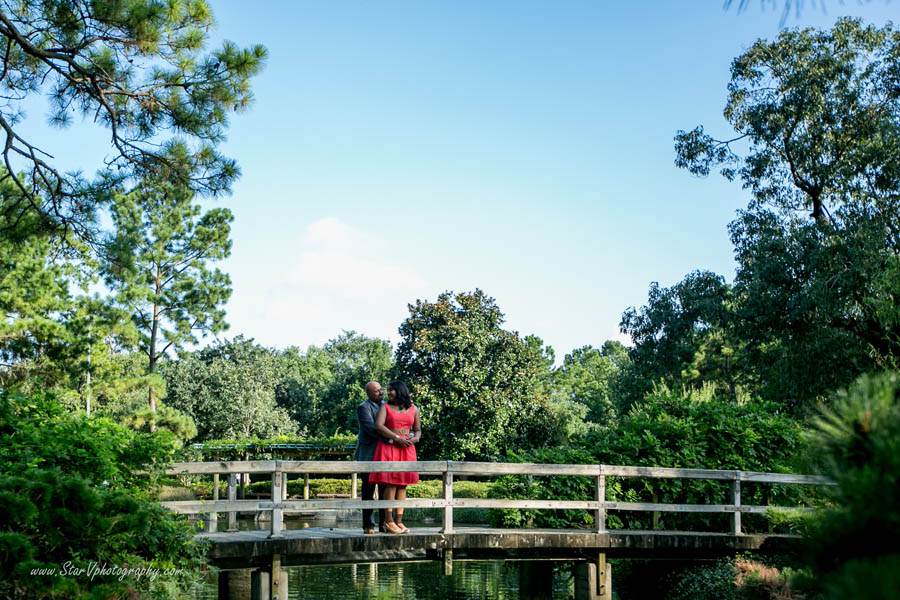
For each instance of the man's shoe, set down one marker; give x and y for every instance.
(369, 530)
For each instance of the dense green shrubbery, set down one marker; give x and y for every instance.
(692, 429)
(854, 547)
(77, 493)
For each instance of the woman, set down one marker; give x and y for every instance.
(398, 421)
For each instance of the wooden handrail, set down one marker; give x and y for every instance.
(277, 505)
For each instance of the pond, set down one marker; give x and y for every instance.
(415, 580)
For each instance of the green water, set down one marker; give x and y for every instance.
(419, 580)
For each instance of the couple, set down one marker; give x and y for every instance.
(388, 431)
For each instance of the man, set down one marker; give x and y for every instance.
(366, 441)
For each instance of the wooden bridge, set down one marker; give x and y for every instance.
(267, 551)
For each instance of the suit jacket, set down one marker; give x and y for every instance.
(367, 438)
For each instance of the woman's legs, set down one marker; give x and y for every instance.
(400, 494)
(388, 492)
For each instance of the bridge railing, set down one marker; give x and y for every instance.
(278, 505)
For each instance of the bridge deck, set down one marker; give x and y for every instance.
(329, 545)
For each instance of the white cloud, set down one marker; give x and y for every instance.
(343, 279)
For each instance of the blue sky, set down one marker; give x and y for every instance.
(396, 150)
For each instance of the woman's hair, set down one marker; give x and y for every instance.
(402, 394)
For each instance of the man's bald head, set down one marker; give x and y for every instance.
(373, 391)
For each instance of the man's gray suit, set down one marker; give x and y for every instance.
(366, 440)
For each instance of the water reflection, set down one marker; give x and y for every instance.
(418, 580)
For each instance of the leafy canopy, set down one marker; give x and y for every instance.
(477, 385)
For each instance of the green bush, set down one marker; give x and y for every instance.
(79, 493)
(855, 545)
(707, 582)
(691, 429)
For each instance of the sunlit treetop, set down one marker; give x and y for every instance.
(820, 111)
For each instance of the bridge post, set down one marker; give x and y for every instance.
(279, 589)
(447, 525)
(600, 496)
(593, 581)
(213, 518)
(277, 515)
(448, 562)
(736, 500)
(353, 485)
(232, 496)
(306, 486)
(536, 580)
(234, 585)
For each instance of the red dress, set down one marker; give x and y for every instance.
(393, 452)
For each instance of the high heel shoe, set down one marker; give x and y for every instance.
(403, 528)
(391, 527)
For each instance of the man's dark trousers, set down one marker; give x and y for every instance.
(366, 442)
(368, 493)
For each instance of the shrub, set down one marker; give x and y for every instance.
(78, 493)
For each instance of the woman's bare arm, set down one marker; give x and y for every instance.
(417, 428)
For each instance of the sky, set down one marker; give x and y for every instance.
(396, 150)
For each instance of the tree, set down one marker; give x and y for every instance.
(34, 290)
(852, 546)
(808, 305)
(587, 376)
(821, 114)
(80, 491)
(682, 337)
(138, 68)
(156, 263)
(814, 298)
(476, 384)
(322, 387)
(228, 389)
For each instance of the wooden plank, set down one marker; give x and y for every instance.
(486, 468)
(600, 498)
(667, 473)
(788, 478)
(686, 508)
(234, 466)
(736, 500)
(308, 505)
(346, 467)
(447, 520)
(534, 504)
(200, 506)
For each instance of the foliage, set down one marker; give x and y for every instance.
(321, 388)
(229, 391)
(71, 491)
(714, 582)
(819, 110)
(255, 448)
(477, 385)
(682, 337)
(164, 417)
(814, 306)
(139, 68)
(587, 377)
(156, 263)
(691, 429)
(813, 299)
(857, 442)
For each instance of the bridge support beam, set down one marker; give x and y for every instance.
(235, 585)
(255, 584)
(448, 562)
(593, 580)
(536, 580)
